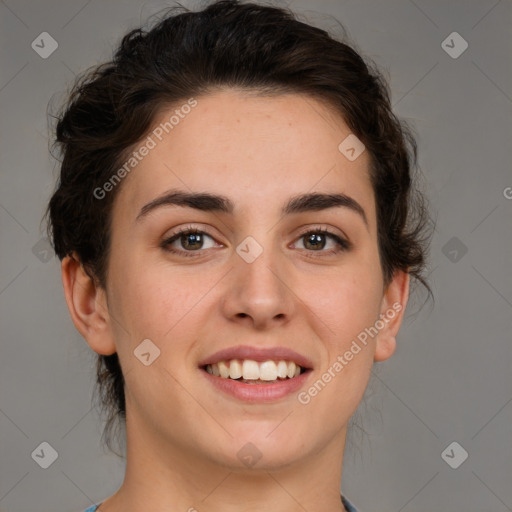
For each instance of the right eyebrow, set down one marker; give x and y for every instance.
(200, 201)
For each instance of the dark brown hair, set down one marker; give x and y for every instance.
(189, 54)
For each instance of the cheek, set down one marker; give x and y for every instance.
(347, 303)
(347, 308)
(153, 300)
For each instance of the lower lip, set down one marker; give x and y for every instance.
(258, 393)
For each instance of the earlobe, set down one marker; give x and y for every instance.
(87, 305)
(392, 313)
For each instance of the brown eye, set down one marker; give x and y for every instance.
(314, 241)
(188, 241)
(192, 241)
(323, 241)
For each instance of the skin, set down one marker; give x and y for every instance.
(183, 434)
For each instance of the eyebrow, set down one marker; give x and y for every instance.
(207, 202)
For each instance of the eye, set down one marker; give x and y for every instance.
(322, 240)
(188, 240)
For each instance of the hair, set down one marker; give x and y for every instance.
(227, 44)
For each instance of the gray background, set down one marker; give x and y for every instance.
(450, 379)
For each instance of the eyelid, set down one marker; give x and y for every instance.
(340, 239)
(323, 229)
(191, 228)
(187, 229)
(329, 230)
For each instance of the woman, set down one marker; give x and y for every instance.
(238, 228)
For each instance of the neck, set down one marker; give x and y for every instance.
(160, 475)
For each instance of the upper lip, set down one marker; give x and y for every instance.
(258, 354)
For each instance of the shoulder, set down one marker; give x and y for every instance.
(348, 506)
(345, 501)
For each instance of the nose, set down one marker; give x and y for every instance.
(259, 293)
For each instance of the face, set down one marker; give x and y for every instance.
(264, 272)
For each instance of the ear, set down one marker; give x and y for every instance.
(87, 303)
(394, 302)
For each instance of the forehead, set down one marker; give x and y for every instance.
(254, 149)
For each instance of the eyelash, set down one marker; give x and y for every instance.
(343, 245)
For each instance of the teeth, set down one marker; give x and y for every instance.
(235, 369)
(223, 369)
(252, 370)
(268, 370)
(282, 369)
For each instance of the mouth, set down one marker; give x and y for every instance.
(256, 375)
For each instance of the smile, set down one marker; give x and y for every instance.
(263, 382)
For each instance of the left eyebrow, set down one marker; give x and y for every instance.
(205, 201)
(315, 202)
